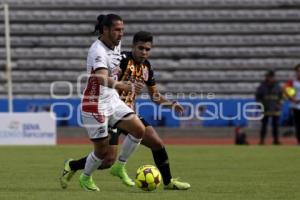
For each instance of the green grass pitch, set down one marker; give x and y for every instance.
(215, 172)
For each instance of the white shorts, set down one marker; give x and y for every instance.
(97, 123)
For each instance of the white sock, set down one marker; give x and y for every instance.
(130, 144)
(91, 164)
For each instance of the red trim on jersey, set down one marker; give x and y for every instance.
(289, 83)
(91, 94)
(99, 117)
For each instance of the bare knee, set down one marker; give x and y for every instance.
(152, 140)
(139, 131)
(133, 125)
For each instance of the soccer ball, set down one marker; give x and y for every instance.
(148, 177)
(290, 91)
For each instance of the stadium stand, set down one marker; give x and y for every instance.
(221, 46)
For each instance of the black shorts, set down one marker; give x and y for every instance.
(115, 133)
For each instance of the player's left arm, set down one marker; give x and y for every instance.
(159, 99)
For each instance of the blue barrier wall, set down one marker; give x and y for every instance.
(213, 112)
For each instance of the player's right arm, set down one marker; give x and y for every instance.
(100, 63)
(159, 99)
(105, 80)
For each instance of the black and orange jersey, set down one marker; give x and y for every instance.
(131, 71)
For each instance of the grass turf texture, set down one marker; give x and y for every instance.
(215, 172)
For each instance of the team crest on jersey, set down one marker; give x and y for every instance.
(145, 73)
(98, 59)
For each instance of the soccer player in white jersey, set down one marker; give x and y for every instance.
(295, 101)
(136, 67)
(102, 107)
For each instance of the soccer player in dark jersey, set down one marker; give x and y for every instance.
(135, 67)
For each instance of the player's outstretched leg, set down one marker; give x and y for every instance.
(136, 129)
(152, 140)
(67, 174)
(118, 168)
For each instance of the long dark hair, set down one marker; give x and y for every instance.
(105, 20)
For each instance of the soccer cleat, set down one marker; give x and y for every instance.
(67, 174)
(87, 183)
(119, 170)
(177, 185)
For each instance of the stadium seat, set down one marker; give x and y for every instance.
(167, 15)
(143, 4)
(223, 46)
(158, 28)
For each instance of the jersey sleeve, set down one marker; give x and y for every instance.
(124, 61)
(100, 60)
(123, 65)
(151, 80)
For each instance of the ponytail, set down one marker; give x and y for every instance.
(105, 20)
(99, 24)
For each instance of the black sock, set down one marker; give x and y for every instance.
(162, 162)
(77, 164)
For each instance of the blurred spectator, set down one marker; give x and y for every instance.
(240, 136)
(292, 91)
(269, 93)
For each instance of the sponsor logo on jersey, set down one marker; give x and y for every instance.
(98, 59)
(101, 129)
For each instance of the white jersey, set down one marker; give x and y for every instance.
(96, 95)
(296, 85)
